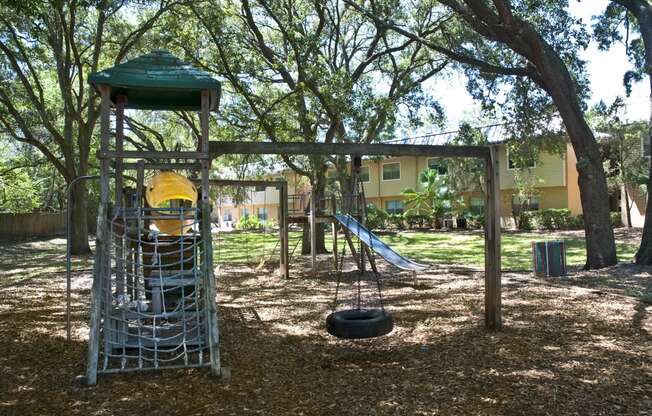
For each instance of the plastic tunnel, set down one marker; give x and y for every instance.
(164, 191)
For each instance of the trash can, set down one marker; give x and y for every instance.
(549, 258)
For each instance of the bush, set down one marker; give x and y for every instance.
(548, 219)
(397, 221)
(248, 222)
(527, 220)
(555, 219)
(577, 221)
(376, 217)
(475, 220)
(616, 219)
(417, 220)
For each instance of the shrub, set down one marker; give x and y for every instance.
(376, 217)
(527, 220)
(475, 220)
(555, 219)
(548, 219)
(616, 219)
(414, 220)
(248, 222)
(397, 221)
(577, 221)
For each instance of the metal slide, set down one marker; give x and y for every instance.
(378, 245)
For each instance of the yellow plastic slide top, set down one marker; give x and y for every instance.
(164, 188)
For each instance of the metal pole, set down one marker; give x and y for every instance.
(68, 249)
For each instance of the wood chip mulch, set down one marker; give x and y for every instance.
(564, 350)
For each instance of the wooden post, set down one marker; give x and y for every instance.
(140, 228)
(119, 197)
(99, 265)
(209, 280)
(203, 145)
(209, 290)
(493, 320)
(355, 202)
(283, 229)
(334, 230)
(313, 232)
(334, 234)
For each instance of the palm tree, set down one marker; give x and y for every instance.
(434, 199)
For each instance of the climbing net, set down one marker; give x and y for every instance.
(153, 295)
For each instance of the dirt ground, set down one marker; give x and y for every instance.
(581, 345)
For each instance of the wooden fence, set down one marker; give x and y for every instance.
(16, 227)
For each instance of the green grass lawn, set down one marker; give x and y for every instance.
(463, 248)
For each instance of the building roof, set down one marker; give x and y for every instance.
(495, 133)
(157, 81)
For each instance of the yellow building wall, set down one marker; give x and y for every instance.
(550, 170)
(574, 203)
(548, 198)
(377, 187)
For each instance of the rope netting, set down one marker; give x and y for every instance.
(153, 297)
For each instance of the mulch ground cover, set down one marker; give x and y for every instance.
(575, 346)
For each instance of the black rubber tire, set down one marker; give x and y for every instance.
(359, 323)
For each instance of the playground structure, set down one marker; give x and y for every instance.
(153, 300)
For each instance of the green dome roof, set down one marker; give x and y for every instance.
(157, 81)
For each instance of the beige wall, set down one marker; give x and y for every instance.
(238, 211)
(548, 198)
(638, 207)
(378, 187)
(551, 170)
(572, 188)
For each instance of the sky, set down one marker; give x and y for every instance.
(605, 70)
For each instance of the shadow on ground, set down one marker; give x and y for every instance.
(565, 350)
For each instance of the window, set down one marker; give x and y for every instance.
(437, 165)
(262, 214)
(531, 204)
(245, 212)
(391, 171)
(394, 207)
(645, 146)
(511, 164)
(364, 174)
(477, 205)
(227, 216)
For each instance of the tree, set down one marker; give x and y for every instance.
(315, 71)
(624, 164)
(467, 175)
(530, 48)
(433, 198)
(637, 16)
(28, 183)
(47, 50)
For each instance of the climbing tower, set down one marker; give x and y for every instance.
(153, 296)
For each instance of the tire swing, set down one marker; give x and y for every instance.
(358, 322)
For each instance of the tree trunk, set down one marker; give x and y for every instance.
(628, 208)
(79, 224)
(644, 253)
(600, 244)
(642, 9)
(305, 239)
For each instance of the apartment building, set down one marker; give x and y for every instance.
(384, 181)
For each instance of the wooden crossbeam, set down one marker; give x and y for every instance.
(268, 148)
